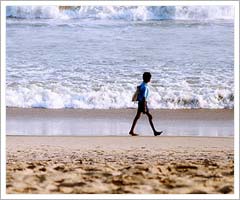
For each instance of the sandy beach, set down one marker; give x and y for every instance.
(119, 165)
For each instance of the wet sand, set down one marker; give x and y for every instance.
(112, 122)
(119, 165)
(171, 114)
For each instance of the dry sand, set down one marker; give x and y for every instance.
(117, 165)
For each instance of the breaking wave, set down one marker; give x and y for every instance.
(114, 97)
(130, 13)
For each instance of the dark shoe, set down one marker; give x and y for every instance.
(157, 133)
(133, 134)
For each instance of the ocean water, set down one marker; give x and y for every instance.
(94, 57)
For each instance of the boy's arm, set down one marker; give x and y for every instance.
(144, 99)
(144, 105)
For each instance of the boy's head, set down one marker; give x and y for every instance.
(147, 77)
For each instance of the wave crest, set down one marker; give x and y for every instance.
(131, 13)
(107, 97)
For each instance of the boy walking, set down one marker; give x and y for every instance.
(142, 104)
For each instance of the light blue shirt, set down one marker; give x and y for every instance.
(144, 92)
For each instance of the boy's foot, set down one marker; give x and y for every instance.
(133, 134)
(157, 133)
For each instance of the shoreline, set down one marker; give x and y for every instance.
(117, 122)
(12, 110)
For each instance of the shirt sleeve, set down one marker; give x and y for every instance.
(145, 92)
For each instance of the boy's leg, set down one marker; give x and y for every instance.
(151, 123)
(131, 132)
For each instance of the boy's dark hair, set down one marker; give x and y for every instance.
(146, 77)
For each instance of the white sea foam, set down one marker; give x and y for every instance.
(114, 97)
(98, 63)
(135, 13)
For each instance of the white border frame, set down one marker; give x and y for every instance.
(119, 196)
